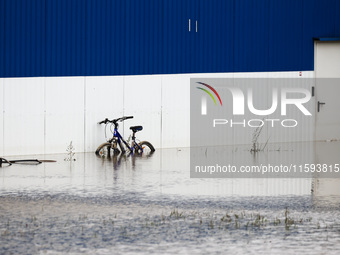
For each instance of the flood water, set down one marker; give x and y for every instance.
(150, 205)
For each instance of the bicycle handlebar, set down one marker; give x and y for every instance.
(115, 120)
(103, 121)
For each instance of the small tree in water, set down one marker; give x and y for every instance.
(70, 153)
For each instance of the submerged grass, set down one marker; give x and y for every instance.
(175, 225)
(230, 221)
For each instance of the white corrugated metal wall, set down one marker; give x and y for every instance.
(44, 114)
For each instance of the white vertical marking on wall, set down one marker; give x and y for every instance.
(123, 130)
(161, 131)
(2, 121)
(44, 115)
(189, 25)
(204, 105)
(84, 113)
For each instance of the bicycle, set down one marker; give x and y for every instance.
(142, 148)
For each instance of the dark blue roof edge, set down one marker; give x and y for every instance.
(327, 39)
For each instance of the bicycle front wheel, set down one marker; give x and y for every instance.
(147, 147)
(103, 150)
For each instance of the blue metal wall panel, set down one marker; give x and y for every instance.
(24, 43)
(318, 21)
(2, 37)
(285, 33)
(112, 37)
(337, 17)
(251, 39)
(177, 49)
(65, 38)
(215, 36)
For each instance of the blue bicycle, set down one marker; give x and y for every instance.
(117, 143)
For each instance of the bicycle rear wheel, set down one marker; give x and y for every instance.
(147, 147)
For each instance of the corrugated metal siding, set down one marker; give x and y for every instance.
(216, 30)
(2, 37)
(23, 26)
(251, 35)
(337, 17)
(318, 21)
(285, 35)
(111, 37)
(65, 38)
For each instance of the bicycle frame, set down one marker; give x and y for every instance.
(120, 139)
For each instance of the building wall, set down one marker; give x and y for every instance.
(44, 114)
(110, 37)
(67, 64)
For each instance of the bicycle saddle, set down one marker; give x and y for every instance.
(136, 128)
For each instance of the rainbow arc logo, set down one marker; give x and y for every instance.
(204, 99)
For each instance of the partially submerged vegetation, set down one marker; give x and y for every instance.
(31, 225)
(73, 232)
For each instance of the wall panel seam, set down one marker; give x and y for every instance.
(3, 116)
(84, 105)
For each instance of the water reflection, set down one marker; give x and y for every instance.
(166, 172)
(127, 202)
(119, 157)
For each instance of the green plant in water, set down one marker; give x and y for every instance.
(211, 224)
(288, 221)
(176, 214)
